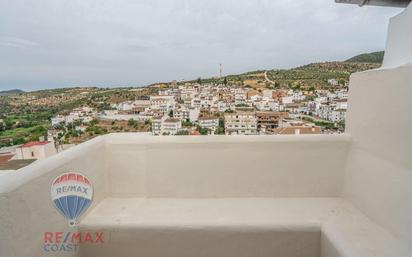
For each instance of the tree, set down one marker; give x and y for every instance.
(203, 131)
(221, 129)
(225, 81)
(221, 123)
(199, 81)
(171, 113)
(182, 133)
(18, 141)
(131, 122)
(94, 122)
(186, 123)
(2, 126)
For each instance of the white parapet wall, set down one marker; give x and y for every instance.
(26, 208)
(226, 166)
(132, 165)
(379, 171)
(399, 43)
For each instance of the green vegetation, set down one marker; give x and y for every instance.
(187, 124)
(96, 130)
(308, 77)
(182, 133)
(375, 57)
(221, 129)
(316, 75)
(326, 124)
(11, 92)
(23, 127)
(132, 123)
(202, 131)
(25, 116)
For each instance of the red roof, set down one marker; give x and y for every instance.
(34, 143)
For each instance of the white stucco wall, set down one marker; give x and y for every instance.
(379, 170)
(226, 166)
(186, 167)
(399, 43)
(26, 208)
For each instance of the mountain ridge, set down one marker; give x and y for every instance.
(306, 76)
(373, 57)
(11, 92)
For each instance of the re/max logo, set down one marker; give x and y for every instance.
(69, 241)
(72, 189)
(73, 237)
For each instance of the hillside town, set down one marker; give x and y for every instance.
(311, 99)
(193, 109)
(207, 109)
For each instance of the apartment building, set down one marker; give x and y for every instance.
(171, 126)
(186, 114)
(211, 123)
(166, 126)
(241, 123)
(162, 103)
(268, 121)
(157, 126)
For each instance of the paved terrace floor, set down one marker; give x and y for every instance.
(241, 227)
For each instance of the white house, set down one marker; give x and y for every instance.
(57, 120)
(35, 150)
(241, 123)
(287, 99)
(341, 104)
(190, 114)
(166, 125)
(337, 115)
(210, 123)
(171, 126)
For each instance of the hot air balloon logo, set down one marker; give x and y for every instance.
(72, 194)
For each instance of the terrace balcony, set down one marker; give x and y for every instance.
(239, 196)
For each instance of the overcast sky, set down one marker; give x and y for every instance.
(62, 43)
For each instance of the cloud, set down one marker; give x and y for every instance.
(16, 42)
(52, 43)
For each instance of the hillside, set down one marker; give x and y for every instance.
(316, 75)
(307, 77)
(11, 92)
(26, 116)
(375, 57)
(311, 76)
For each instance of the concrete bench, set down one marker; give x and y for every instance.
(238, 227)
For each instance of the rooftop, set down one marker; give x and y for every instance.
(324, 195)
(35, 143)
